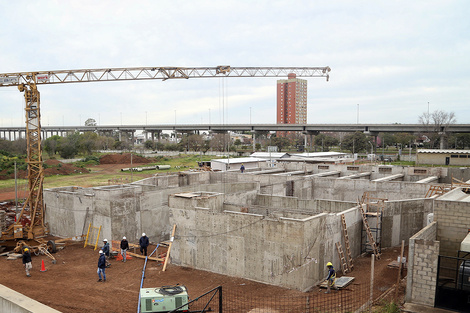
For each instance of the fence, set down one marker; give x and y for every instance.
(350, 299)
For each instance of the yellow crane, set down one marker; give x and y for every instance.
(30, 224)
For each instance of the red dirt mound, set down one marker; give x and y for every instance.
(124, 158)
(55, 167)
(51, 167)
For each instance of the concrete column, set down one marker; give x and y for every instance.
(133, 136)
(443, 144)
(253, 134)
(120, 135)
(146, 135)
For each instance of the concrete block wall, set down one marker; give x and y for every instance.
(453, 219)
(423, 254)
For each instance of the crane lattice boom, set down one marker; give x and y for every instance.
(145, 73)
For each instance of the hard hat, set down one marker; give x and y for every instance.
(26, 249)
(101, 252)
(124, 237)
(329, 264)
(143, 234)
(105, 240)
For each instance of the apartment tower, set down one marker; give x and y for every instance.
(291, 101)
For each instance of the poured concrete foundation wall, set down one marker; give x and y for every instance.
(286, 252)
(351, 190)
(423, 251)
(292, 203)
(402, 219)
(129, 210)
(14, 302)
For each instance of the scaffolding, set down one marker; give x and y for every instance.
(371, 235)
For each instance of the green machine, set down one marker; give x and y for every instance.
(164, 299)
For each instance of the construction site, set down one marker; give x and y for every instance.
(251, 241)
(266, 230)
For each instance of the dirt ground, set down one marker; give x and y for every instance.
(71, 284)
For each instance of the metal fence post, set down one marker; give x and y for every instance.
(372, 260)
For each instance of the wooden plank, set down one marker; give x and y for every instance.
(143, 256)
(169, 247)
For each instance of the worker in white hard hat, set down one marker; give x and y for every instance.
(124, 248)
(101, 267)
(27, 261)
(144, 243)
(331, 279)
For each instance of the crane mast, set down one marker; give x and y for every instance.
(28, 82)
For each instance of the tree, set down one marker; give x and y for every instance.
(280, 142)
(355, 142)
(219, 141)
(68, 146)
(437, 119)
(404, 138)
(90, 122)
(326, 141)
(87, 142)
(149, 145)
(436, 123)
(51, 144)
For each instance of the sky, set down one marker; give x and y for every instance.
(390, 61)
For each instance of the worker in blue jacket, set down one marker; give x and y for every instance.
(101, 266)
(144, 243)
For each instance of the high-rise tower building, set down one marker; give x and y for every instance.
(291, 100)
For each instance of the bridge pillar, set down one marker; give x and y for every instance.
(443, 143)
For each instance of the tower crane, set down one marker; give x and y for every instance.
(30, 223)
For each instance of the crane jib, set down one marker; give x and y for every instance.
(162, 73)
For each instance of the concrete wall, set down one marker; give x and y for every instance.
(282, 251)
(129, 210)
(423, 254)
(14, 302)
(351, 190)
(401, 219)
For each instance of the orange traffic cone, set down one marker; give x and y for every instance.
(43, 268)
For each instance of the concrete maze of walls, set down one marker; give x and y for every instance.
(276, 229)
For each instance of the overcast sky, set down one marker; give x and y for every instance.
(388, 59)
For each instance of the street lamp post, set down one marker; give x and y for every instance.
(358, 113)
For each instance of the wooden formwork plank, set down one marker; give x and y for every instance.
(169, 247)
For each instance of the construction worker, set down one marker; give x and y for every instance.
(331, 279)
(27, 261)
(106, 251)
(242, 168)
(101, 266)
(124, 248)
(144, 243)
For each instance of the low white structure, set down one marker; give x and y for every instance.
(235, 164)
(329, 154)
(443, 157)
(270, 155)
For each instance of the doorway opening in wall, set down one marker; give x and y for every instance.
(453, 282)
